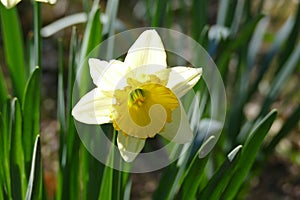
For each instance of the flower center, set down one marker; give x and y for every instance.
(136, 98)
(143, 111)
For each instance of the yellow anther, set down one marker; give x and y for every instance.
(136, 97)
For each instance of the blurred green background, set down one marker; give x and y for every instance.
(258, 60)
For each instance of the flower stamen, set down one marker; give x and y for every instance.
(136, 97)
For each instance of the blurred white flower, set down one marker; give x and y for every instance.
(12, 3)
(218, 32)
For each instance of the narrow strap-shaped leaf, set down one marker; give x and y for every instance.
(37, 36)
(232, 45)
(117, 189)
(35, 178)
(60, 91)
(91, 171)
(222, 12)
(3, 170)
(94, 170)
(164, 187)
(17, 168)
(62, 23)
(69, 141)
(160, 13)
(194, 172)
(260, 6)
(256, 41)
(107, 177)
(232, 11)
(284, 73)
(218, 182)
(1, 189)
(248, 9)
(289, 124)
(193, 179)
(92, 38)
(31, 113)
(13, 48)
(6, 145)
(61, 119)
(248, 155)
(71, 79)
(111, 12)
(199, 14)
(3, 90)
(180, 175)
(235, 19)
(236, 115)
(281, 36)
(92, 33)
(127, 191)
(77, 18)
(84, 175)
(292, 41)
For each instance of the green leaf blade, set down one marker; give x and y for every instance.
(248, 155)
(106, 186)
(31, 113)
(216, 185)
(35, 178)
(13, 48)
(17, 167)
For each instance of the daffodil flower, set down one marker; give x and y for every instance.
(139, 96)
(12, 3)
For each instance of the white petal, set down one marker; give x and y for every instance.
(179, 130)
(147, 49)
(182, 79)
(93, 108)
(107, 75)
(97, 68)
(144, 73)
(10, 3)
(129, 146)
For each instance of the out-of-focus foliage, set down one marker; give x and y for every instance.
(248, 55)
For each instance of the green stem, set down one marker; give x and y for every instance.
(37, 63)
(37, 35)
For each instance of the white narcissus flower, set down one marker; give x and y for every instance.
(12, 3)
(47, 1)
(218, 32)
(140, 96)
